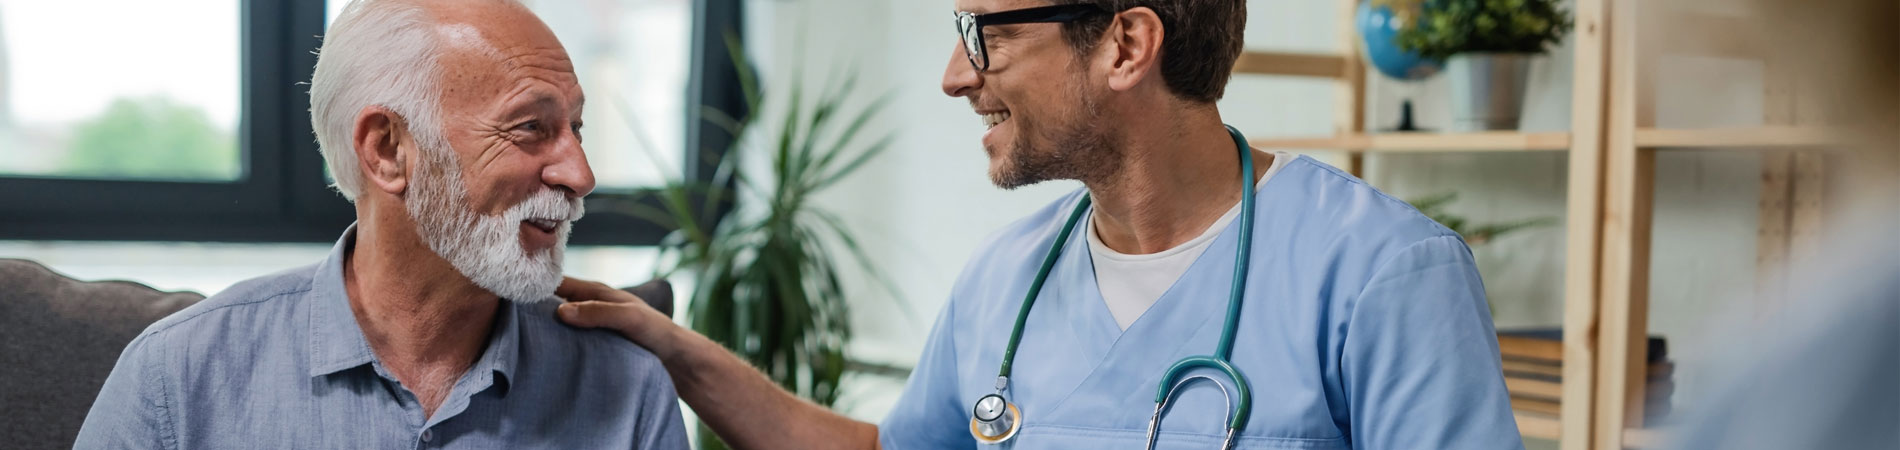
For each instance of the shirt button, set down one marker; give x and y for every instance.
(428, 435)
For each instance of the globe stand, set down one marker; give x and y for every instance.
(1379, 26)
(1405, 119)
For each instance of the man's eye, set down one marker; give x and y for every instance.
(529, 126)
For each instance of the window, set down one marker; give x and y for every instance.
(631, 57)
(63, 114)
(185, 121)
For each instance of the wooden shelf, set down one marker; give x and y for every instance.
(1644, 437)
(1317, 65)
(1536, 425)
(1743, 138)
(1490, 141)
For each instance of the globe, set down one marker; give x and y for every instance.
(1379, 26)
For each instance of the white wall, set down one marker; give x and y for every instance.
(924, 207)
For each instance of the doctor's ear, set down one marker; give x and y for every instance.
(1135, 40)
(384, 149)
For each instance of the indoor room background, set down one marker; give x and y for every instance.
(74, 93)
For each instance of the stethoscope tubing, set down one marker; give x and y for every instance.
(1219, 360)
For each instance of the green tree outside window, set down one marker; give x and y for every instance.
(152, 137)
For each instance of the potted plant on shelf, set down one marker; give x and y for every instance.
(1489, 46)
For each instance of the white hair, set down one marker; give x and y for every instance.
(377, 53)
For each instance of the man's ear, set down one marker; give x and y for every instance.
(1135, 39)
(381, 137)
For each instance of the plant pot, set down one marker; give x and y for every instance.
(1487, 89)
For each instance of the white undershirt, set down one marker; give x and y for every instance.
(1130, 284)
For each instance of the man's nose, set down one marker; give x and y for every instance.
(569, 170)
(959, 78)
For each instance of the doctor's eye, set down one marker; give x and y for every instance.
(992, 38)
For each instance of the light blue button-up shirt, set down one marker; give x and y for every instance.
(279, 362)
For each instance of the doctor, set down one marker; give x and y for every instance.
(1269, 300)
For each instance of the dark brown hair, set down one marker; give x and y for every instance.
(1200, 41)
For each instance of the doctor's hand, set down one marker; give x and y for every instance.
(746, 409)
(595, 305)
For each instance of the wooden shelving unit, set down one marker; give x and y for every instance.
(1795, 131)
(1583, 143)
(1644, 438)
(1612, 145)
(1426, 142)
(1749, 138)
(1541, 426)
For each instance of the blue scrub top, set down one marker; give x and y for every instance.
(1364, 327)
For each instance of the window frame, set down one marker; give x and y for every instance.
(283, 196)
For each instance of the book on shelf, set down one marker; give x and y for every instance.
(1545, 389)
(1660, 370)
(1541, 389)
(1533, 345)
(1533, 372)
(1537, 405)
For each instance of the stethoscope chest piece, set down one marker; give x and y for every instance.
(994, 419)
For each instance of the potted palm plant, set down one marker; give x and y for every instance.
(767, 275)
(1488, 46)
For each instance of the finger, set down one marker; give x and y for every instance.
(575, 289)
(598, 314)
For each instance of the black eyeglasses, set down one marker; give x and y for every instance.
(970, 25)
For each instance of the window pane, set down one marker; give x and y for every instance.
(631, 57)
(149, 90)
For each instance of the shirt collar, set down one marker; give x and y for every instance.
(337, 342)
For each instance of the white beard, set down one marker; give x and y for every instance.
(487, 249)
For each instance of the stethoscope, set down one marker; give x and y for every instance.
(995, 419)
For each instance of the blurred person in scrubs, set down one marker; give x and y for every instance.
(1362, 324)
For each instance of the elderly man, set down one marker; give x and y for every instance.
(453, 126)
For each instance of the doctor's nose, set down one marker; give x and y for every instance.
(959, 78)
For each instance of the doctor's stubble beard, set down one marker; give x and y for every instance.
(1079, 149)
(487, 249)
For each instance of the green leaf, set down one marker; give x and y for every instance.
(849, 135)
(1474, 234)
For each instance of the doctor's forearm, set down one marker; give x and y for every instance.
(745, 408)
